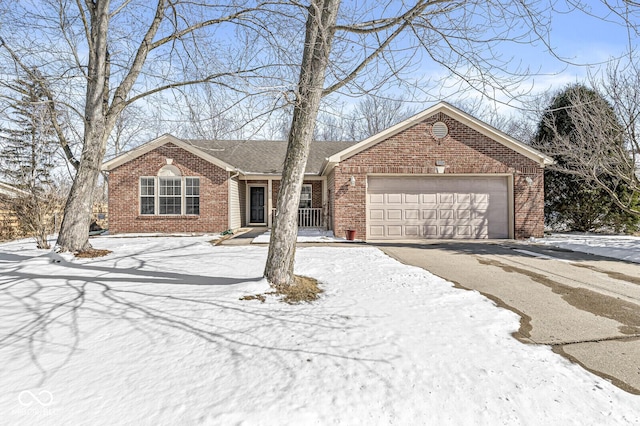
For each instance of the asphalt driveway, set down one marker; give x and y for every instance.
(586, 307)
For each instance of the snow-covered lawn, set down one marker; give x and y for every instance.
(307, 235)
(618, 247)
(155, 334)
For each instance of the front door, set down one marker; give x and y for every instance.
(256, 197)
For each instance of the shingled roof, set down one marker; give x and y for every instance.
(247, 157)
(265, 157)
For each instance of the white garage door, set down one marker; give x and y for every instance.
(437, 207)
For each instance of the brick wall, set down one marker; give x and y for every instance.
(124, 202)
(415, 151)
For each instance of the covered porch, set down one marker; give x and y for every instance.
(261, 196)
(307, 218)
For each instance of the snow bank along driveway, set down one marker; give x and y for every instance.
(615, 246)
(154, 334)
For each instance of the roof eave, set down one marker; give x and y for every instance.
(456, 114)
(158, 142)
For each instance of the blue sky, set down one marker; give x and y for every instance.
(581, 39)
(576, 36)
(587, 39)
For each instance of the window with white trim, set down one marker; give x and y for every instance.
(192, 195)
(169, 193)
(305, 196)
(147, 195)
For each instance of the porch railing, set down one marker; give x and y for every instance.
(307, 218)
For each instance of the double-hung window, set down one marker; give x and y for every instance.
(147, 195)
(169, 193)
(305, 197)
(192, 195)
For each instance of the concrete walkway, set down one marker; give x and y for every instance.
(243, 237)
(587, 308)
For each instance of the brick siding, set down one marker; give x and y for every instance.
(124, 197)
(415, 151)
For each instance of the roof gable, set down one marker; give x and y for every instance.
(158, 142)
(454, 113)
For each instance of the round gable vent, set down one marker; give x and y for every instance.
(439, 130)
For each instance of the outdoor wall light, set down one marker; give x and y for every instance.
(352, 181)
(528, 180)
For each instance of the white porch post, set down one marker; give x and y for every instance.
(269, 203)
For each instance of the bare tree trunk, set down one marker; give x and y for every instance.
(321, 20)
(74, 232)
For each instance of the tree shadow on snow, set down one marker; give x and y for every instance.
(51, 317)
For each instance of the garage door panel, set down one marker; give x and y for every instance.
(463, 214)
(411, 214)
(429, 198)
(446, 198)
(463, 198)
(430, 231)
(376, 214)
(394, 198)
(446, 214)
(430, 214)
(412, 198)
(463, 231)
(411, 231)
(395, 214)
(437, 207)
(376, 231)
(447, 231)
(376, 199)
(394, 230)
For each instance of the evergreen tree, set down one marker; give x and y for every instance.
(28, 146)
(28, 141)
(571, 202)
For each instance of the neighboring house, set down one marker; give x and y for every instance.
(10, 191)
(438, 174)
(9, 224)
